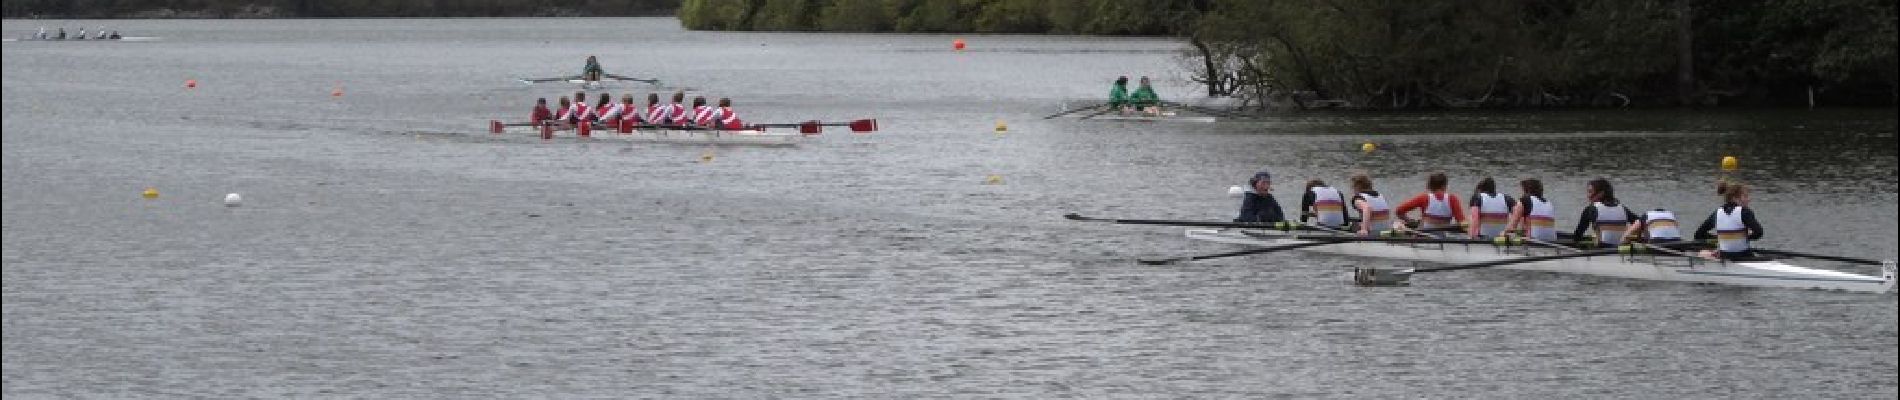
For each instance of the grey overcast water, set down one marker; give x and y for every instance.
(389, 247)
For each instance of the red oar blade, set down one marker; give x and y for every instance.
(809, 128)
(864, 125)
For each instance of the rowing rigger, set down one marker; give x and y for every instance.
(1662, 262)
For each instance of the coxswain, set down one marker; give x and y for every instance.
(724, 116)
(1375, 214)
(702, 113)
(1258, 204)
(1533, 217)
(1437, 209)
(1732, 226)
(1144, 98)
(1490, 210)
(541, 112)
(1323, 204)
(1608, 216)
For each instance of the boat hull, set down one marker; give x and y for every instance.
(749, 137)
(1658, 267)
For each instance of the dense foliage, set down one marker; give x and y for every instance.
(333, 8)
(1438, 53)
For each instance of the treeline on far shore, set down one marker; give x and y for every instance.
(334, 8)
(1436, 53)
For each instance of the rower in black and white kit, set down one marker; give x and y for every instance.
(1605, 214)
(1733, 225)
(1324, 205)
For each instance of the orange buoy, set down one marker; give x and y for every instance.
(957, 44)
(191, 83)
(338, 92)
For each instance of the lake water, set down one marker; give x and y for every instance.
(389, 247)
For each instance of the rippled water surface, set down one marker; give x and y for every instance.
(389, 247)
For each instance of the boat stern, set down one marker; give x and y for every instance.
(1887, 274)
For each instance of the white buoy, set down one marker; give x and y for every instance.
(233, 200)
(1236, 190)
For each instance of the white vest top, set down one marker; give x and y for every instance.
(1493, 214)
(1731, 235)
(1662, 226)
(1328, 207)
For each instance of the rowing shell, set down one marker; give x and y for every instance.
(1164, 117)
(746, 137)
(1772, 273)
(120, 39)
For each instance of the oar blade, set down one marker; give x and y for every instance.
(1381, 277)
(864, 126)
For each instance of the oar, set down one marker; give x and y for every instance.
(544, 80)
(1268, 249)
(1203, 110)
(1204, 224)
(812, 127)
(1849, 260)
(624, 78)
(1076, 110)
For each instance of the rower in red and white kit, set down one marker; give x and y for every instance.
(577, 110)
(724, 116)
(541, 113)
(702, 114)
(600, 109)
(624, 111)
(566, 114)
(1437, 208)
(676, 113)
(655, 112)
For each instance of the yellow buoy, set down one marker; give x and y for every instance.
(1001, 126)
(706, 157)
(993, 180)
(1368, 147)
(150, 193)
(1729, 163)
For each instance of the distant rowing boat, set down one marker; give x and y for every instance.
(120, 39)
(1164, 117)
(755, 135)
